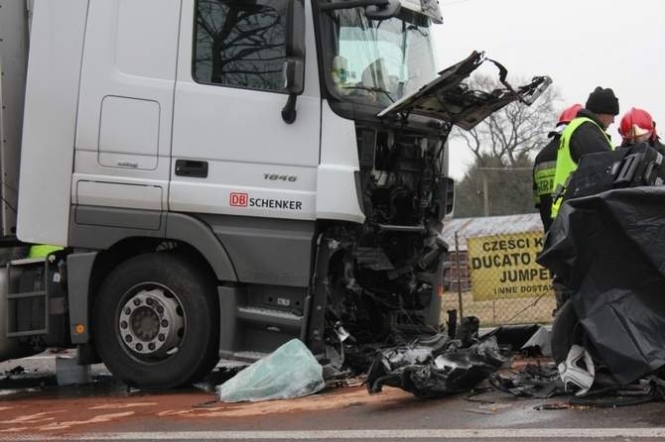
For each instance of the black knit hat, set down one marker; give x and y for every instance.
(603, 101)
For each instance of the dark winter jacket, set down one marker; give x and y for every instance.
(587, 138)
(545, 161)
(656, 144)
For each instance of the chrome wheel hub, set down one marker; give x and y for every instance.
(151, 322)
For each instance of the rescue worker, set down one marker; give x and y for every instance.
(584, 135)
(42, 250)
(637, 126)
(544, 167)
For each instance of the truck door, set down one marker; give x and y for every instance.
(126, 104)
(232, 151)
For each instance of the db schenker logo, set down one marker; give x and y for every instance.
(238, 199)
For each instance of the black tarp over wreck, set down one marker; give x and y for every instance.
(610, 249)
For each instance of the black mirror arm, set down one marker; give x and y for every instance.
(289, 112)
(352, 4)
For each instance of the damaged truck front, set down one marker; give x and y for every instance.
(224, 176)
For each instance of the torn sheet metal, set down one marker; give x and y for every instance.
(436, 369)
(514, 335)
(610, 248)
(540, 340)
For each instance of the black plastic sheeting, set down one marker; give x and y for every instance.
(515, 335)
(436, 367)
(610, 249)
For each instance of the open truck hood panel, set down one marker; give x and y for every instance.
(447, 98)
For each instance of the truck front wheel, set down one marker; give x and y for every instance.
(156, 321)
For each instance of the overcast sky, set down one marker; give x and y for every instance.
(581, 44)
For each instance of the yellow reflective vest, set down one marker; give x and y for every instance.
(565, 165)
(543, 175)
(42, 250)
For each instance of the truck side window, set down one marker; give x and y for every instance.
(240, 43)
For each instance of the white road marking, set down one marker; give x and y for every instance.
(501, 433)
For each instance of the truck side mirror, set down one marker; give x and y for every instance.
(383, 11)
(294, 65)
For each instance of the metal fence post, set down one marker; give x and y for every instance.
(459, 279)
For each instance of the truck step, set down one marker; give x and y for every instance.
(27, 291)
(264, 316)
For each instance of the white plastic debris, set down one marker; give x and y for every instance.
(578, 370)
(290, 371)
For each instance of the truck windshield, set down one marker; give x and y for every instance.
(376, 62)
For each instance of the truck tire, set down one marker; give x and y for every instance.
(566, 331)
(156, 321)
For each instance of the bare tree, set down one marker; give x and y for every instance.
(514, 131)
(240, 43)
(489, 188)
(504, 145)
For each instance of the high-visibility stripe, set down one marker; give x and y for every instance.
(543, 175)
(565, 165)
(42, 250)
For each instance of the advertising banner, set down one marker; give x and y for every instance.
(504, 266)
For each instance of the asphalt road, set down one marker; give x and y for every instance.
(34, 408)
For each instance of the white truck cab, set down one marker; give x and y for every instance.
(225, 175)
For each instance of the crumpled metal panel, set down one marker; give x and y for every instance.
(610, 248)
(436, 369)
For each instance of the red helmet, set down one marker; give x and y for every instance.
(569, 114)
(637, 123)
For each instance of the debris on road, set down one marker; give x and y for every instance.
(15, 371)
(539, 342)
(533, 380)
(290, 371)
(554, 406)
(543, 381)
(436, 367)
(514, 335)
(650, 389)
(530, 339)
